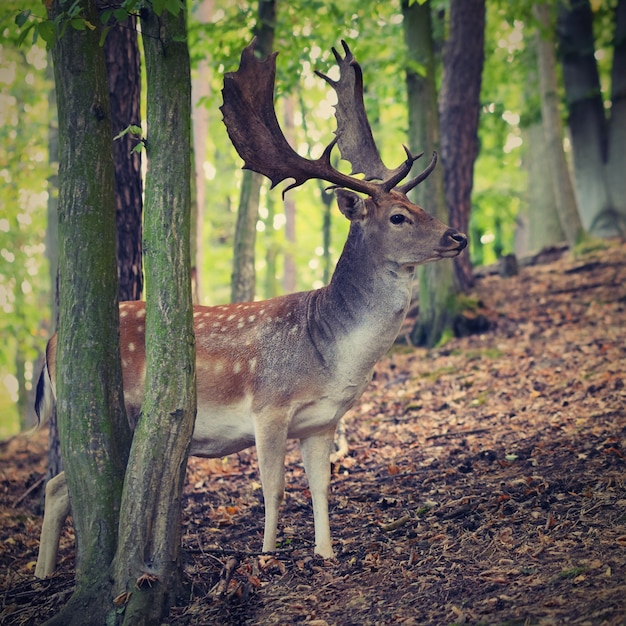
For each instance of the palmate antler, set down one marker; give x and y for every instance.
(251, 122)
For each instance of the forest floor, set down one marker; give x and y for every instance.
(485, 483)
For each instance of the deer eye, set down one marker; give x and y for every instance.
(397, 218)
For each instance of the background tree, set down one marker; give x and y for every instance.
(460, 109)
(563, 190)
(598, 135)
(121, 53)
(243, 275)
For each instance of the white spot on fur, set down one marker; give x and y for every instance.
(237, 367)
(252, 364)
(131, 347)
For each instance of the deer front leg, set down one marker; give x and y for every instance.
(271, 444)
(316, 451)
(56, 510)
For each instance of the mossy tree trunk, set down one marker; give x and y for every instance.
(93, 428)
(150, 526)
(437, 288)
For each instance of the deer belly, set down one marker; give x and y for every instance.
(223, 429)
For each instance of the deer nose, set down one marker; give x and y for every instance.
(455, 236)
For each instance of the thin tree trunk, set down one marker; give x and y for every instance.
(243, 276)
(150, 517)
(200, 90)
(92, 419)
(121, 53)
(460, 108)
(436, 281)
(562, 184)
(289, 276)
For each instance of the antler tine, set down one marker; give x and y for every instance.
(420, 177)
(402, 171)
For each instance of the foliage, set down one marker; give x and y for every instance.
(24, 171)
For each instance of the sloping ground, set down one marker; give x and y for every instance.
(484, 484)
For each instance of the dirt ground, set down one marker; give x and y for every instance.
(484, 484)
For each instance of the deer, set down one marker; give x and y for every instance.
(289, 367)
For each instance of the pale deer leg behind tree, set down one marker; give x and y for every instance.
(291, 367)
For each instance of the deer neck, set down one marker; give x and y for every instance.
(362, 309)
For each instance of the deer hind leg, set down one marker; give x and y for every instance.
(271, 444)
(56, 510)
(316, 451)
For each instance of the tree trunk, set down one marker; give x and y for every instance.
(150, 525)
(243, 277)
(436, 281)
(200, 90)
(290, 273)
(121, 53)
(566, 205)
(587, 121)
(92, 420)
(460, 108)
(544, 225)
(617, 122)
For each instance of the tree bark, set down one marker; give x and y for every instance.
(200, 90)
(437, 290)
(243, 277)
(587, 121)
(93, 427)
(544, 225)
(150, 525)
(617, 121)
(566, 204)
(460, 108)
(124, 79)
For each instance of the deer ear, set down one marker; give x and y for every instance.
(351, 205)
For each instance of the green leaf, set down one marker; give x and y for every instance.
(104, 18)
(121, 15)
(103, 35)
(46, 31)
(24, 33)
(158, 6)
(77, 23)
(21, 18)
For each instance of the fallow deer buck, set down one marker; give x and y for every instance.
(290, 367)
